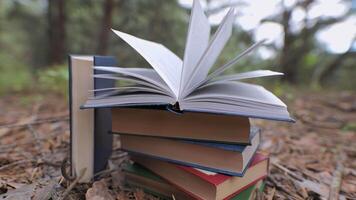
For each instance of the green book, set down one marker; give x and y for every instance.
(140, 177)
(247, 194)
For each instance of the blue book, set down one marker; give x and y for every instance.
(90, 143)
(231, 159)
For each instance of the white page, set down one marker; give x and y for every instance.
(213, 107)
(238, 101)
(167, 64)
(232, 62)
(212, 52)
(130, 79)
(125, 90)
(148, 75)
(197, 42)
(242, 76)
(129, 100)
(239, 90)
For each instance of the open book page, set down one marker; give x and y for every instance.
(125, 90)
(167, 64)
(228, 109)
(236, 98)
(210, 55)
(133, 99)
(242, 76)
(238, 90)
(147, 75)
(197, 41)
(131, 80)
(232, 62)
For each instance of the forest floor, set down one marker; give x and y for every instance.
(310, 159)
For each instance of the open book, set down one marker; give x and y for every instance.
(187, 84)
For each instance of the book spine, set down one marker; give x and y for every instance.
(184, 138)
(220, 171)
(70, 96)
(102, 124)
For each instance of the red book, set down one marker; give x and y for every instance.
(204, 184)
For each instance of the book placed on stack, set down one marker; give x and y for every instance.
(140, 177)
(184, 124)
(219, 164)
(201, 184)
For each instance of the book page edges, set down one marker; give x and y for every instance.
(82, 121)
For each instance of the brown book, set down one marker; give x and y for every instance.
(225, 158)
(204, 184)
(189, 125)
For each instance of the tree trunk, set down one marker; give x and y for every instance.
(286, 58)
(332, 67)
(106, 24)
(56, 31)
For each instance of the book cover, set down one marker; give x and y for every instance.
(218, 178)
(151, 188)
(90, 143)
(198, 126)
(217, 157)
(205, 184)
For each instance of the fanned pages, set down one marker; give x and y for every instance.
(212, 52)
(187, 85)
(197, 42)
(166, 63)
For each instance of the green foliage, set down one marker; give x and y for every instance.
(30, 100)
(157, 20)
(349, 127)
(24, 43)
(54, 79)
(14, 76)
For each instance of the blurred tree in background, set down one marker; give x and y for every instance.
(36, 36)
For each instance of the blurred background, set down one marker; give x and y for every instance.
(311, 41)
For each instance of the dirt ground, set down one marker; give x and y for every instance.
(314, 158)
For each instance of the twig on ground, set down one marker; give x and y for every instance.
(36, 138)
(73, 184)
(20, 162)
(48, 120)
(13, 164)
(9, 147)
(65, 174)
(337, 177)
(271, 195)
(104, 172)
(282, 188)
(287, 171)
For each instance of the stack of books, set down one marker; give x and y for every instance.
(208, 156)
(187, 131)
(204, 155)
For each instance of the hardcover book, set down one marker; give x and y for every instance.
(139, 177)
(229, 159)
(161, 122)
(91, 145)
(203, 184)
(187, 85)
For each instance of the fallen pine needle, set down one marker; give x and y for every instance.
(337, 177)
(13, 164)
(74, 183)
